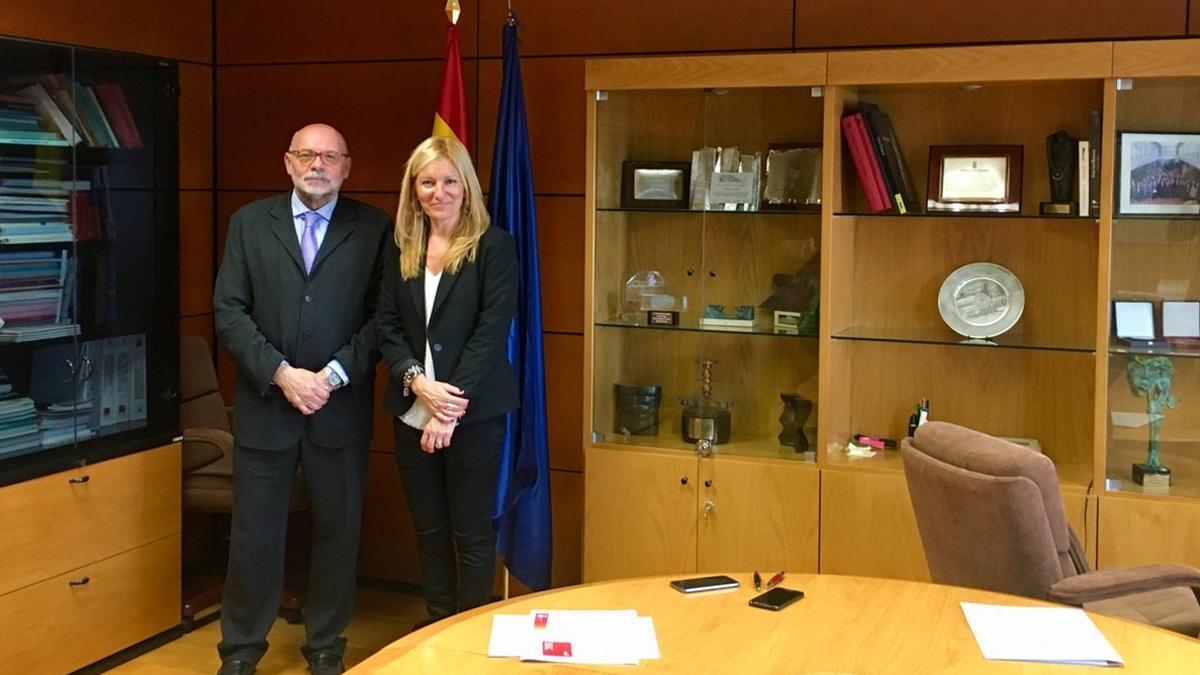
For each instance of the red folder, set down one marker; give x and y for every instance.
(868, 144)
(863, 160)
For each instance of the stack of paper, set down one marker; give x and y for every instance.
(574, 636)
(1041, 634)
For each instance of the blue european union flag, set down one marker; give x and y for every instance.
(522, 508)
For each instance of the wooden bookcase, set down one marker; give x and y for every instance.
(882, 345)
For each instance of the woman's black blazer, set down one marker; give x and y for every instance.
(468, 330)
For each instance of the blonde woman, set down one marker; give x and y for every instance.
(446, 302)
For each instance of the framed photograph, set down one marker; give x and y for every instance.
(1134, 319)
(975, 178)
(655, 185)
(1158, 173)
(793, 180)
(1181, 319)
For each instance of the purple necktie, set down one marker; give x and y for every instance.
(308, 239)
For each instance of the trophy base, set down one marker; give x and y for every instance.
(662, 317)
(705, 424)
(1156, 478)
(1058, 208)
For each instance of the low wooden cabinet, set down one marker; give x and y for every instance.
(91, 561)
(648, 513)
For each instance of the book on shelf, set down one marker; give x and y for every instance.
(895, 169)
(112, 99)
(49, 110)
(1085, 177)
(711, 322)
(137, 365)
(865, 162)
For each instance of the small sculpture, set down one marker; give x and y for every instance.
(1150, 378)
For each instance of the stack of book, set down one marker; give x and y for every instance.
(18, 426)
(36, 295)
(69, 113)
(879, 161)
(62, 423)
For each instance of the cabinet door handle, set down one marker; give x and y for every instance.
(709, 509)
(683, 481)
(81, 479)
(708, 482)
(81, 581)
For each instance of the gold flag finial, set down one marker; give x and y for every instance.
(453, 9)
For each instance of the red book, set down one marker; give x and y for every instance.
(873, 161)
(861, 163)
(112, 99)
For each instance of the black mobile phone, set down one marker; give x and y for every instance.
(698, 584)
(776, 599)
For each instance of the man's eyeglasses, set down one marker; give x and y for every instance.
(329, 157)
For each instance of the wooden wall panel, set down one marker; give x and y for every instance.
(556, 116)
(603, 26)
(388, 546)
(201, 325)
(383, 110)
(195, 127)
(1194, 19)
(848, 23)
(560, 261)
(178, 30)
(263, 31)
(564, 405)
(195, 252)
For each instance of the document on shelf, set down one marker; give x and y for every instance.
(1039, 634)
(575, 636)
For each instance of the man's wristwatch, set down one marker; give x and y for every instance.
(334, 379)
(410, 374)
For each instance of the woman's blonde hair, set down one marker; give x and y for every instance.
(412, 225)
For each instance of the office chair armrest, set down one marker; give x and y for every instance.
(203, 446)
(1104, 584)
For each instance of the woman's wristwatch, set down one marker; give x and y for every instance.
(410, 374)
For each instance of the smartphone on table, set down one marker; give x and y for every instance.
(776, 599)
(699, 584)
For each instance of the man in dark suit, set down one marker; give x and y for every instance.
(294, 304)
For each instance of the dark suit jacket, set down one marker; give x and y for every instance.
(468, 329)
(266, 310)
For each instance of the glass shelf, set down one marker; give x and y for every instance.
(1160, 348)
(714, 212)
(693, 327)
(946, 337)
(962, 215)
(755, 447)
(1122, 483)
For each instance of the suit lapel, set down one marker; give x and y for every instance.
(284, 228)
(444, 286)
(340, 226)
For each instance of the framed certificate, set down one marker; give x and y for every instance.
(975, 178)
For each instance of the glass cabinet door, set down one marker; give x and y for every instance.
(88, 252)
(1154, 370)
(706, 269)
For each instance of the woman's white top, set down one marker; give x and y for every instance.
(420, 414)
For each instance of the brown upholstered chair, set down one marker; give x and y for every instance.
(208, 474)
(991, 516)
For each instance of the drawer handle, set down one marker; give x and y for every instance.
(82, 581)
(82, 479)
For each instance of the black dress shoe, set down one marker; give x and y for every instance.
(236, 667)
(326, 663)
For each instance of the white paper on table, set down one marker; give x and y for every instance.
(1039, 634)
(509, 633)
(1133, 420)
(595, 636)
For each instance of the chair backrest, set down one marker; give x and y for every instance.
(989, 512)
(201, 404)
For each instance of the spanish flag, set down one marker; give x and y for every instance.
(451, 116)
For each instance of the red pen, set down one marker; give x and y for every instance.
(775, 579)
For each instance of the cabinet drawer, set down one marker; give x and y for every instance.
(52, 525)
(55, 627)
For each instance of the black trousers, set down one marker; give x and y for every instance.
(450, 495)
(262, 485)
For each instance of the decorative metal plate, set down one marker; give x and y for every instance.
(981, 300)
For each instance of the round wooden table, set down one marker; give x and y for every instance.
(842, 625)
